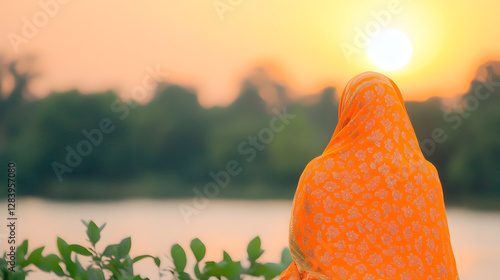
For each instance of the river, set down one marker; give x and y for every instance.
(155, 225)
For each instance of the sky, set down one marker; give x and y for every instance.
(211, 46)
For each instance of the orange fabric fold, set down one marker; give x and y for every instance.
(370, 207)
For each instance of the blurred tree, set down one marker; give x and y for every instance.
(169, 145)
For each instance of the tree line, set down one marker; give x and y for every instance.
(70, 145)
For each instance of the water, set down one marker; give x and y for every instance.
(155, 225)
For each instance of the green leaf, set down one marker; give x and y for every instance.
(21, 252)
(227, 257)
(253, 249)
(71, 267)
(78, 267)
(91, 274)
(35, 255)
(110, 250)
(3, 262)
(214, 269)
(85, 223)
(79, 250)
(93, 233)
(233, 268)
(184, 276)
(286, 257)
(95, 274)
(63, 248)
(198, 249)
(50, 263)
(269, 270)
(197, 271)
(127, 266)
(102, 227)
(123, 248)
(179, 257)
(138, 258)
(227, 268)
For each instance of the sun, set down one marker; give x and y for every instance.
(389, 49)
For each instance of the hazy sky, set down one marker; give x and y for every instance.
(212, 45)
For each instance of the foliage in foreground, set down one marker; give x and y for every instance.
(227, 268)
(115, 263)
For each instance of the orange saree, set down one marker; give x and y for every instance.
(370, 207)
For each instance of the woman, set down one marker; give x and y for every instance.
(370, 207)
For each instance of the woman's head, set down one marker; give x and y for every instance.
(361, 82)
(371, 103)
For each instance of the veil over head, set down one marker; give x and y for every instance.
(370, 206)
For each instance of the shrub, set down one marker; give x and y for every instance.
(115, 263)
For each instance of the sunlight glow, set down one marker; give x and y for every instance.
(390, 49)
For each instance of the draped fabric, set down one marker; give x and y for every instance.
(370, 207)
